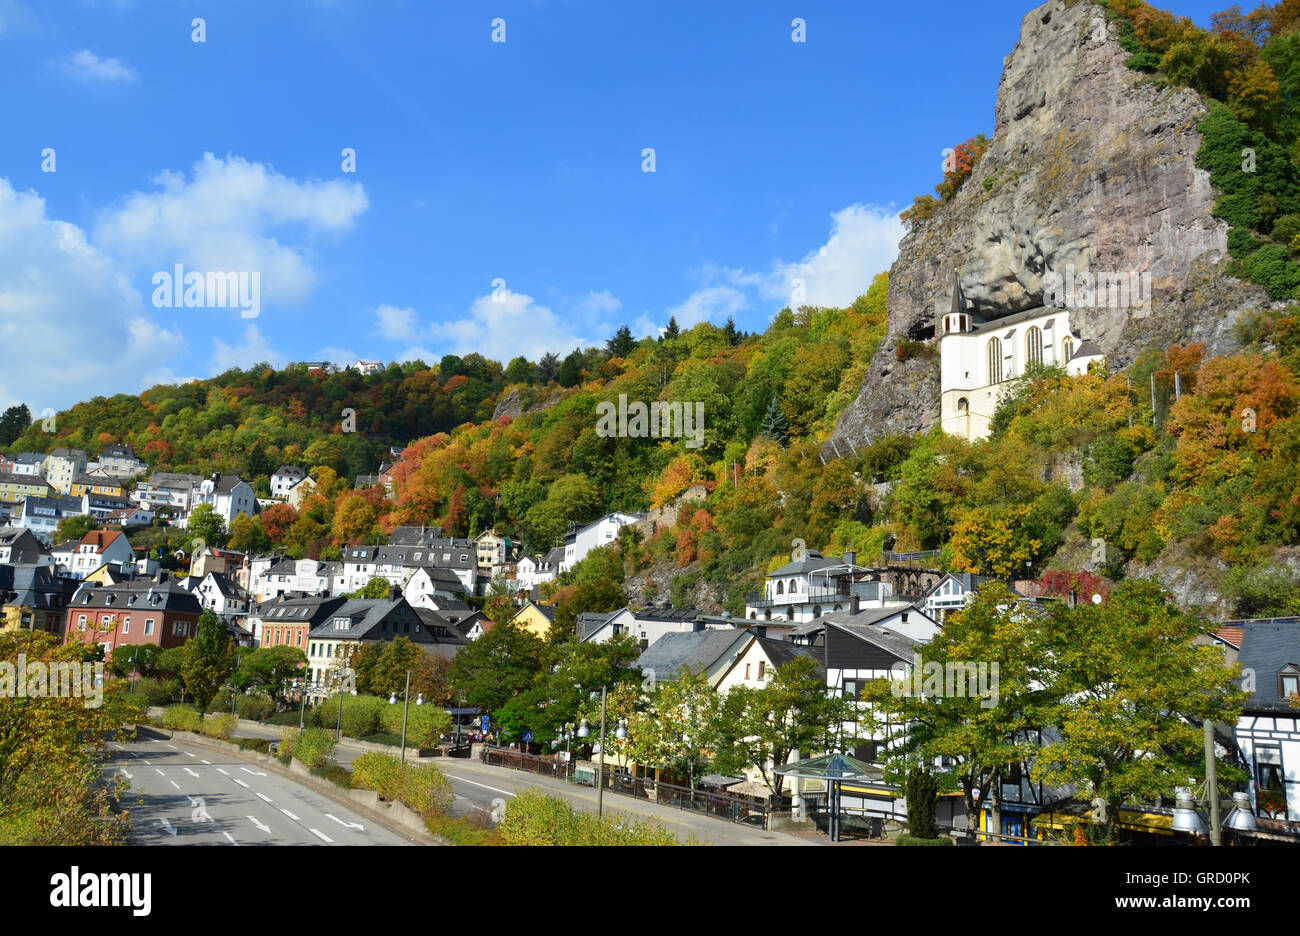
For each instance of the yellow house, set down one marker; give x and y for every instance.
(15, 488)
(535, 618)
(89, 484)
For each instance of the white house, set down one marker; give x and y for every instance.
(978, 358)
(593, 536)
(426, 584)
(229, 496)
(117, 460)
(28, 463)
(217, 592)
(532, 571)
(42, 515)
(1268, 729)
(366, 367)
(811, 585)
(97, 548)
(285, 477)
(62, 466)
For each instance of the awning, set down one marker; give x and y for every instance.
(832, 767)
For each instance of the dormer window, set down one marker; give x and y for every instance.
(1288, 682)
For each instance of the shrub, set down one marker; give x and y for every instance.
(535, 818)
(379, 772)
(427, 790)
(261, 745)
(921, 790)
(339, 776)
(219, 726)
(913, 840)
(154, 691)
(254, 707)
(361, 714)
(425, 724)
(181, 718)
(313, 746)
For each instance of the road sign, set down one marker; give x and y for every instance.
(528, 737)
(485, 723)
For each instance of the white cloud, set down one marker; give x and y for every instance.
(418, 354)
(73, 324)
(252, 350)
(863, 242)
(396, 324)
(596, 307)
(88, 67)
(225, 219)
(506, 326)
(14, 16)
(711, 303)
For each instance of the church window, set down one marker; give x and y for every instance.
(1067, 348)
(1034, 346)
(995, 361)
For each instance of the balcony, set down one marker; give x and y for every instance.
(799, 598)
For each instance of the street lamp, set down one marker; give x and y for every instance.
(1241, 819)
(584, 731)
(406, 709)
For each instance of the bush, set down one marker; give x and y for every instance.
(181, 718)
(219, 726)
(361, 714)
(335, 774)
(312, 746)
(261, 745)
(254, 707)
(913, 840)
(379, 772)
(535, 818)
(424, 726)
(155, 691)
(423, 788)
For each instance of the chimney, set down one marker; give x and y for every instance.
(851, 558)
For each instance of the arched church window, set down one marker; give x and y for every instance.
(1067, 348)
(995, 360)
(1034, 346)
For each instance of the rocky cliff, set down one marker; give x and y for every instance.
(1091, 166)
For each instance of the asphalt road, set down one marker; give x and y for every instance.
(184, 795)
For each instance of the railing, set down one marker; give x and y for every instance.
(912, 556)
(798, 598)
(739, 809)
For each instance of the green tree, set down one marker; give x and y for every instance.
(268, 670)
(761, 728)
(377, 587)
(75, 527)
(204, 523)
(14, 423)
(209, 661)
(673, 331)
(679, 729)
(622, 344)
(570, 374)
(498, 666)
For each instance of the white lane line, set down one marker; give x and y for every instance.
(188, 754)
(147, 764)
(483, 785)
(174, 783)
(255, 773)
(347, 825)
(160, 773)
(173, 747)
(220, 771)
(125, 772)
(265, 828)
(208, 762)
(167, 825)
(289, 814)
(192, 773)
(263, 796)
(321, 835)
(240, 782)
(230, 838)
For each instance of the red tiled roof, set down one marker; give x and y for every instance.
(1231, 634)
(100, 539)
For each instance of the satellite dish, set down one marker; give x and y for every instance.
(1096, 599)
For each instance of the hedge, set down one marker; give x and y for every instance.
(181, 718)
(913, 840)
(535, 818)
(312, 746)
(219, 726)
(424, 788)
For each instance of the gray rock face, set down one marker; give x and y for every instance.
(1090, 166)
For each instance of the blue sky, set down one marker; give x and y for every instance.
(475, 161)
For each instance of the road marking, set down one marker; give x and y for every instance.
(208, 762)
(160, 773)
(174, 783)
(173, 747)
(220, 771)
(319, 834)
(483, 785)
(240, 782)
(263, 796)
(192, 773)
(265, 828)
(125, 772)
(255, 773)
(147, 764)
(167, 825)
(188, 754)
(230, 838)
(289, 814)
(349, 825)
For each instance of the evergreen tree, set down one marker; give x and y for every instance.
(548, 368)
(571, 370)
(622, 344)
(730, 333)
(922, 791)
(774, 425)
(672, 331)
(14, 422)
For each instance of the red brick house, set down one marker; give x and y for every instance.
(141, 611)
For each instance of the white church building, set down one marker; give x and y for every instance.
(978, 357)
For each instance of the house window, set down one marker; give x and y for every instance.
(126, 625)
(762, 669)
(995, 360)
(148, 627)
(746, 670)
(850, 688)
(963, 404)
(1034, 346)
(81, 622)
(780, 588)
(1288, 685)
(180, 629)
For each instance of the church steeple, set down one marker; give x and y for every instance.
(958, 298)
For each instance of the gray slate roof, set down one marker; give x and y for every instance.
(673, 653)
(1266, 647)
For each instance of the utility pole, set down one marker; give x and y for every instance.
(600, 777)
(406, 709)
(1212, 784)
